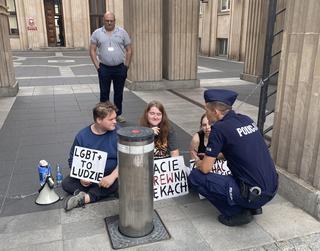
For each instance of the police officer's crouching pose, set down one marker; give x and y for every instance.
(254, 180)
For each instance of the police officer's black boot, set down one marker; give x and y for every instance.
(256, 211)
(237, 220)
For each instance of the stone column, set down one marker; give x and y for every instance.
(180, 42)
(143, 22)
(35, 38)
(116, 6)
(255, 42)
(8, 85)
(76, 29)
(209, 28)
(296, 133)
(21, 42)
(236, 30)
(164, 39)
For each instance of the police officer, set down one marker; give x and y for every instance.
(254, 180)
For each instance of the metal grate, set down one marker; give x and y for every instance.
(266, 75)
(119, 241)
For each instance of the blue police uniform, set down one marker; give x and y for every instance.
(249, 160)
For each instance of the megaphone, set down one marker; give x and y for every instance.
(47, 195)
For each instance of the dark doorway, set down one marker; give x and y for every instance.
(54, 22)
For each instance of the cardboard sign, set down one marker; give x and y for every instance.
(170, 178)
(219, 167)
(88, 164)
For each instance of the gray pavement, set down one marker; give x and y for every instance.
(55, 99)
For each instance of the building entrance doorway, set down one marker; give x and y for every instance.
(54, 22)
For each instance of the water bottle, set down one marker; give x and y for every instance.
(59, 175)
(44, 170)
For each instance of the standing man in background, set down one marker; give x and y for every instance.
(114, 56)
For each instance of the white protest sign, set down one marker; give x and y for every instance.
(219, 167)
(170, 178)
(88, 164)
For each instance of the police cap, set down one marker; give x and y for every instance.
(224, 96)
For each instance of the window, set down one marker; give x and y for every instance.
(224, 5)
(97, 9)
(13, 23)
(222, 46)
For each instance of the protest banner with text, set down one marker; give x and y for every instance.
(88, 164)
(170, 178)
(220, 166)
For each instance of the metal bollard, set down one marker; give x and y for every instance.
(135, 156)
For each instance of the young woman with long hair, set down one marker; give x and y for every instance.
(165, 142)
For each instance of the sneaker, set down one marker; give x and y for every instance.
(237, 220)
(74, 201)
(121, 119)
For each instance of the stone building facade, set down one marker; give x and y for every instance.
(37, 24)
(223, 28)
(8, 84)
(296, 133)
(164, 34)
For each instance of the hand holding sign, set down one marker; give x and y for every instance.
(219, 167)
(107, 181)
(85, 183)
(88, 165)
(156, 130)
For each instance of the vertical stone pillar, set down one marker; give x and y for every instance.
(8, 84)
(180, 42)
(209, 28)
(20, 42)
(244, 33)
(296, 133)
(143, 22)
(236, 31)
(36, 38)
(255, 42)
(116, 6)
(164, 39)
(77, 30)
